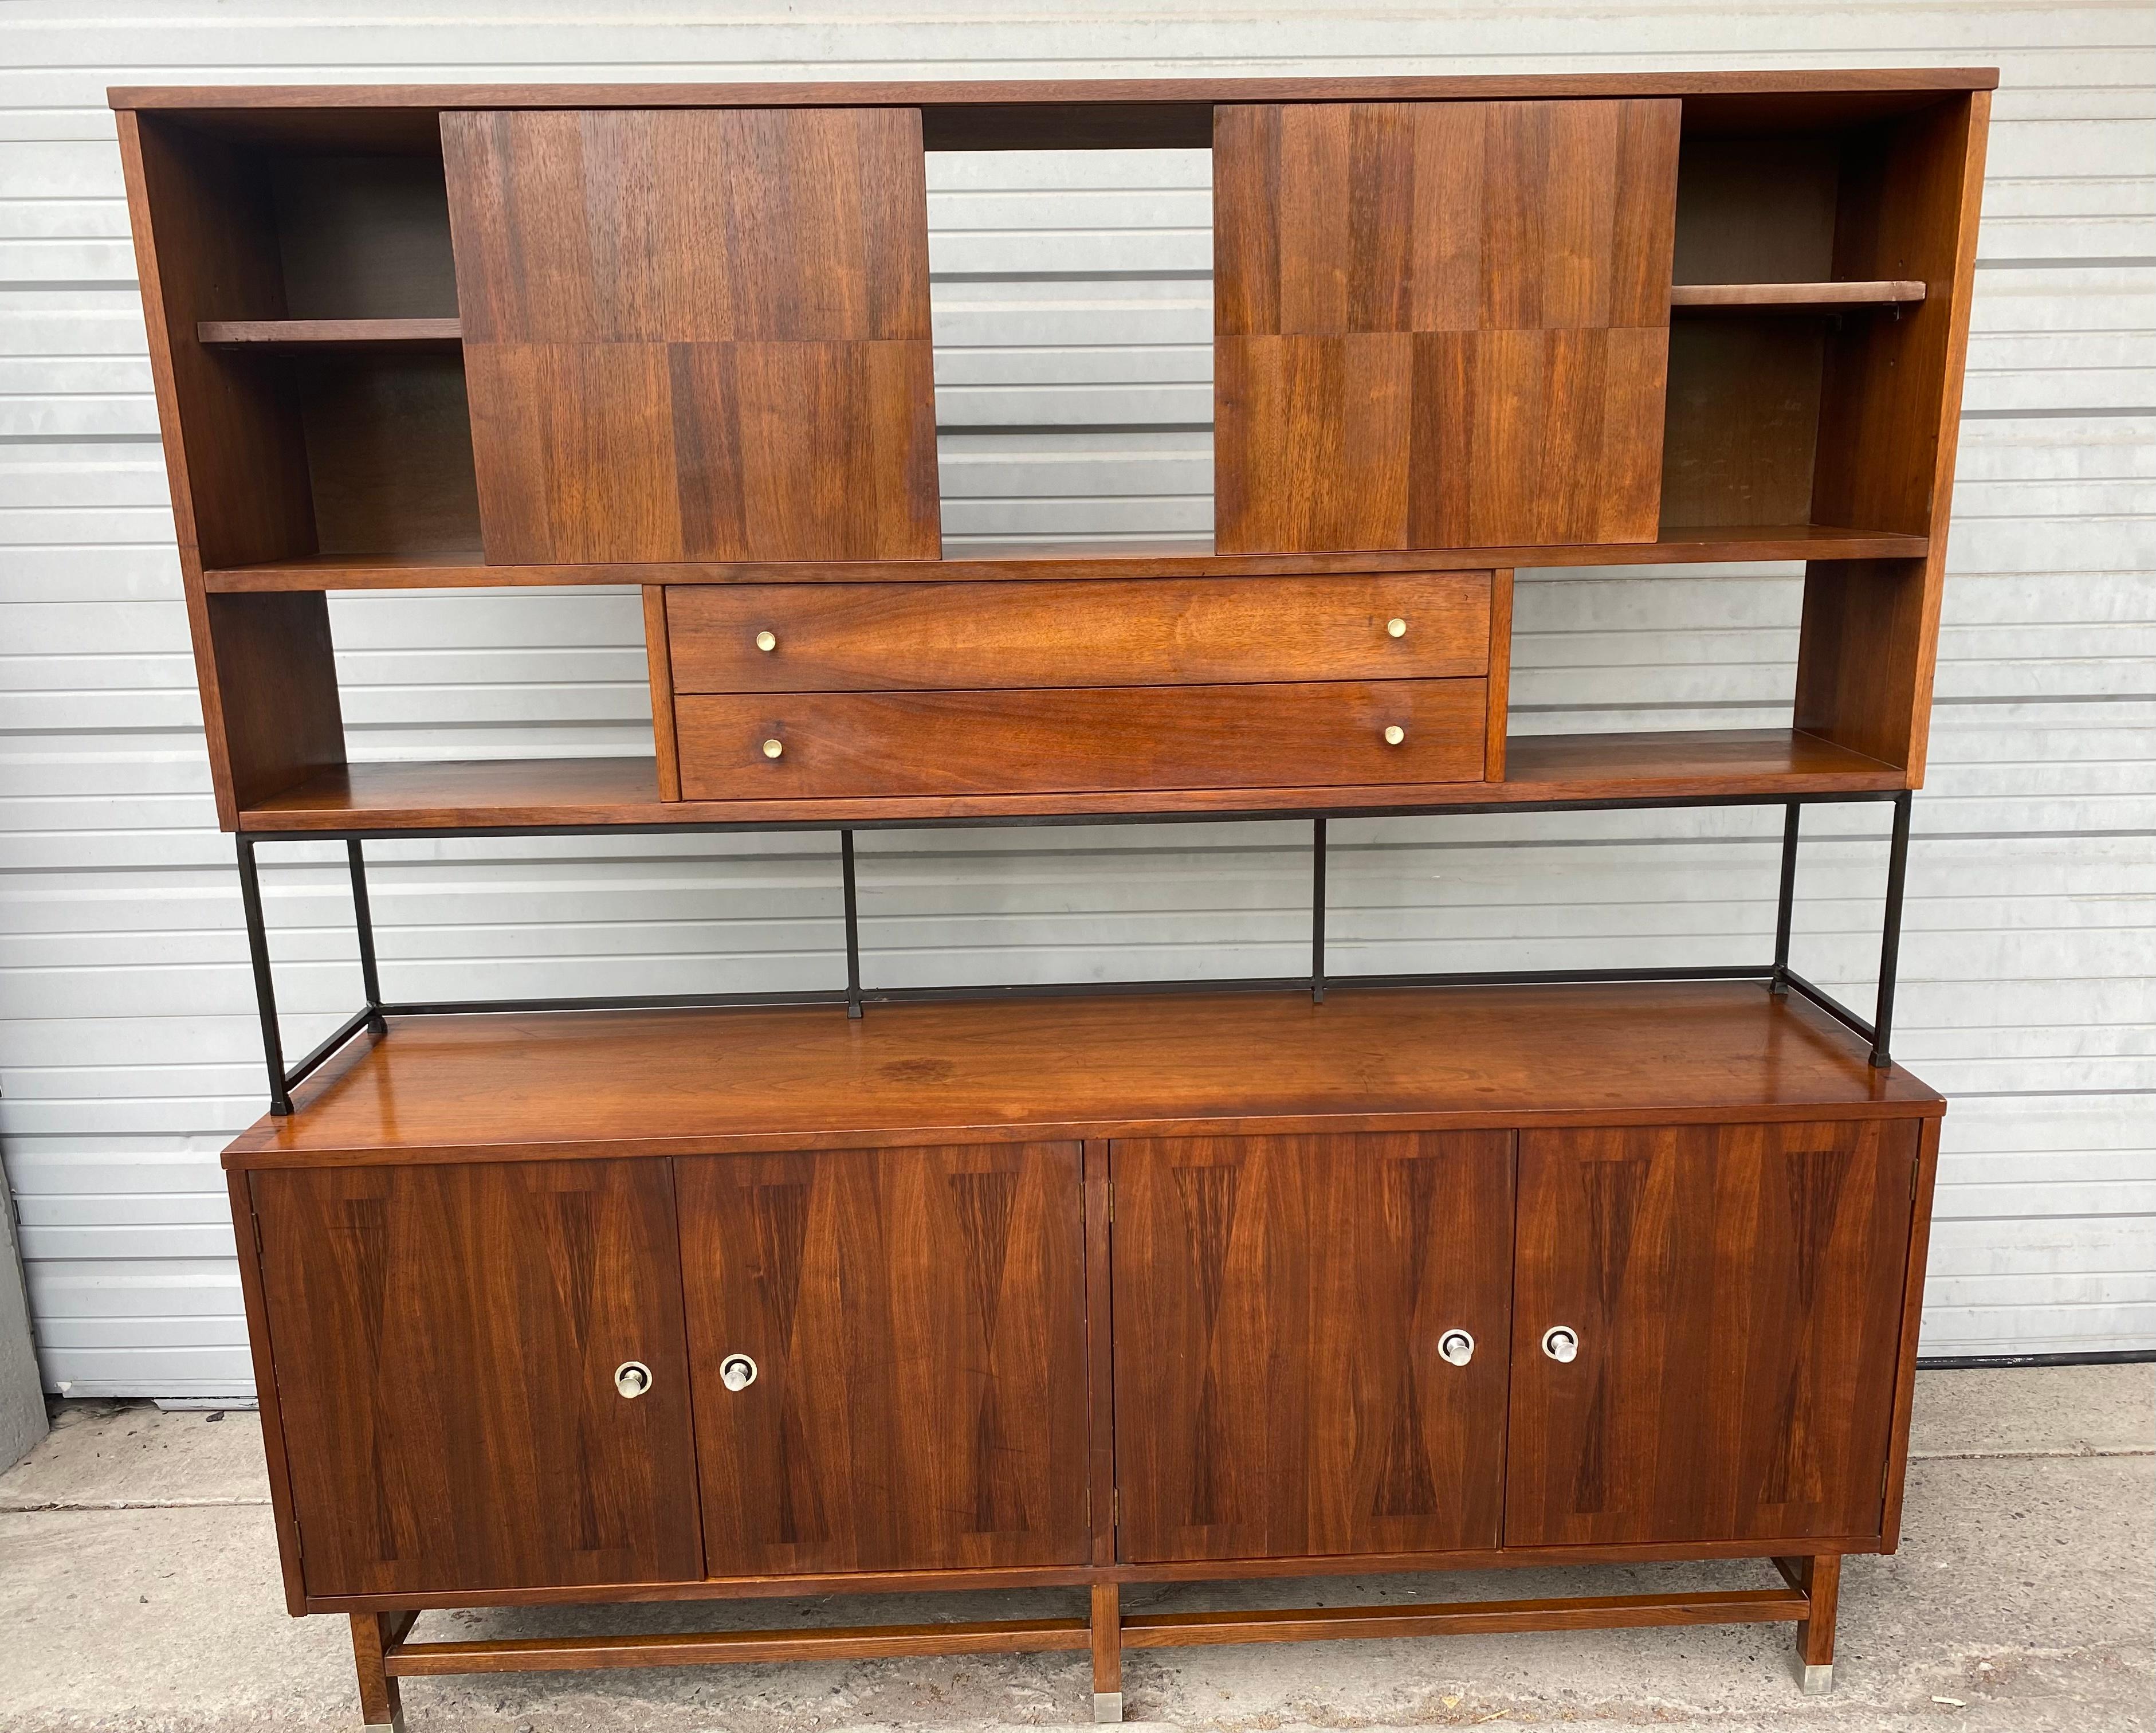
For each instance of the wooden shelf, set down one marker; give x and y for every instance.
(466, 567)
(485, 1087)
(575, 793)
(298, 334)
(1711, 298)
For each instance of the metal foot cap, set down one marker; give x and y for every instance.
(1107, 1707)
(1817, 1681)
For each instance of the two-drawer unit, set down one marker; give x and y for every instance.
(834, 691)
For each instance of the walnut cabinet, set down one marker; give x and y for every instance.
(826, 1290)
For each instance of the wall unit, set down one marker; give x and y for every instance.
(957, 1289)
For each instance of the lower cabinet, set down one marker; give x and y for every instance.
(915, 1322)
(1281, 1308)
(551, 1374)
(445, 1339)
(1734, 1293)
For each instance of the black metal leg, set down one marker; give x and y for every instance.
(265, 989)
(1780, 984)
(853, 925)
(1889, 937)
(1317, 911)
(362, 915)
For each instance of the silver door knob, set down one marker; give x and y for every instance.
(773, 748)
(1395, 734)
(1561, 1343)
(736, 1372)
(1396, 629)
(632, 1378)
(766, 641)
(1455, 1347)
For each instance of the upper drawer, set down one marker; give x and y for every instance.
(864, 637)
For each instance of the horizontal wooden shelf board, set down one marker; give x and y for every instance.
(499, 1085)
(486, 794)
(1460, 1618)
(330, 333)
(464, 567)
(1791, 297)
(680, 1648)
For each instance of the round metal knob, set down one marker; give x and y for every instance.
(1396, 629)
(766, 641)
(736, 1372)
(773, 748)
(1561, 1343)
(1455, 1347)
(632, 1378)
(1395, 734)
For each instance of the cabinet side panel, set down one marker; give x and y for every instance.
(446, 1341)
(1864, 656)
(239, 1191)
(279, 717)
(1736, 1296)
(916, 1319)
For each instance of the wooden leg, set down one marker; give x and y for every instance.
(381, 1708)
(1107, 1653)
(1821, 1579)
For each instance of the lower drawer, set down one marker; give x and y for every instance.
(835, 745)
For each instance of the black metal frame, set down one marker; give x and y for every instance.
(374, 1015)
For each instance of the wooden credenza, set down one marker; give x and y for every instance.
(857, 1289)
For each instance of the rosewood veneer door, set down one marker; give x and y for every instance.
(696, 334)
(1736, 1291)
(917, 1321)
(1279, 1305)
(1440, 324)
(445, 1339)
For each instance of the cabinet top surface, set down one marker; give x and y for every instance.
(516, 1085)
(869, 93)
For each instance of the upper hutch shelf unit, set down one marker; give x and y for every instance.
(1071, 1287)
(678, 337)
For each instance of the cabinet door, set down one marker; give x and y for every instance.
(1440, 324)
(916, 1319)
(1736, 1292)
(1279, 1307)
(446, 1340)
(696, 334)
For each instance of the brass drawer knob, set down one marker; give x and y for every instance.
(1561, 1342)
(1394, 734)
(736, 1372)
(768, 642)
(632, 1378)
(773, 748)
(1396, 629)
(1455, 1347)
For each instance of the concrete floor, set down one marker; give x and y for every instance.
(139, 1590)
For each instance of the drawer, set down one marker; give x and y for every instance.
(855, 745)
(869, 637)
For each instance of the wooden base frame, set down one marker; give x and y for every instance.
(385, 1654)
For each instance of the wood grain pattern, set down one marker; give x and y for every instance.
(697, 335)
(837, 745)
(1499, 685)
(1678, 545)
(389, 449)
(1736, 1292)
(1440, 325)
(1173, 631)
(1336, 1264)
(1462, 1618)
(658, 656)
(366, 334)
(1676, 765)
(1912, 1320)
(278, 719)
(679, 1082)
(239, 1193)
(1865, 657)
(446, 1340)
(1794, 297)
(1741, 423)
(697, 1648)
(918, 1316)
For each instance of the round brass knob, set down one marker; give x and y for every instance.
(1561, 1342)
(768, 642)
(1396, 629)
(1395, 734)
(773, 748)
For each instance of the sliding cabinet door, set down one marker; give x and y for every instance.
(696, 334)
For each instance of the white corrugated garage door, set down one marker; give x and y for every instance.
(1073, 319)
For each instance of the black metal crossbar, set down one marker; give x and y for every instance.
(373, 1016)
